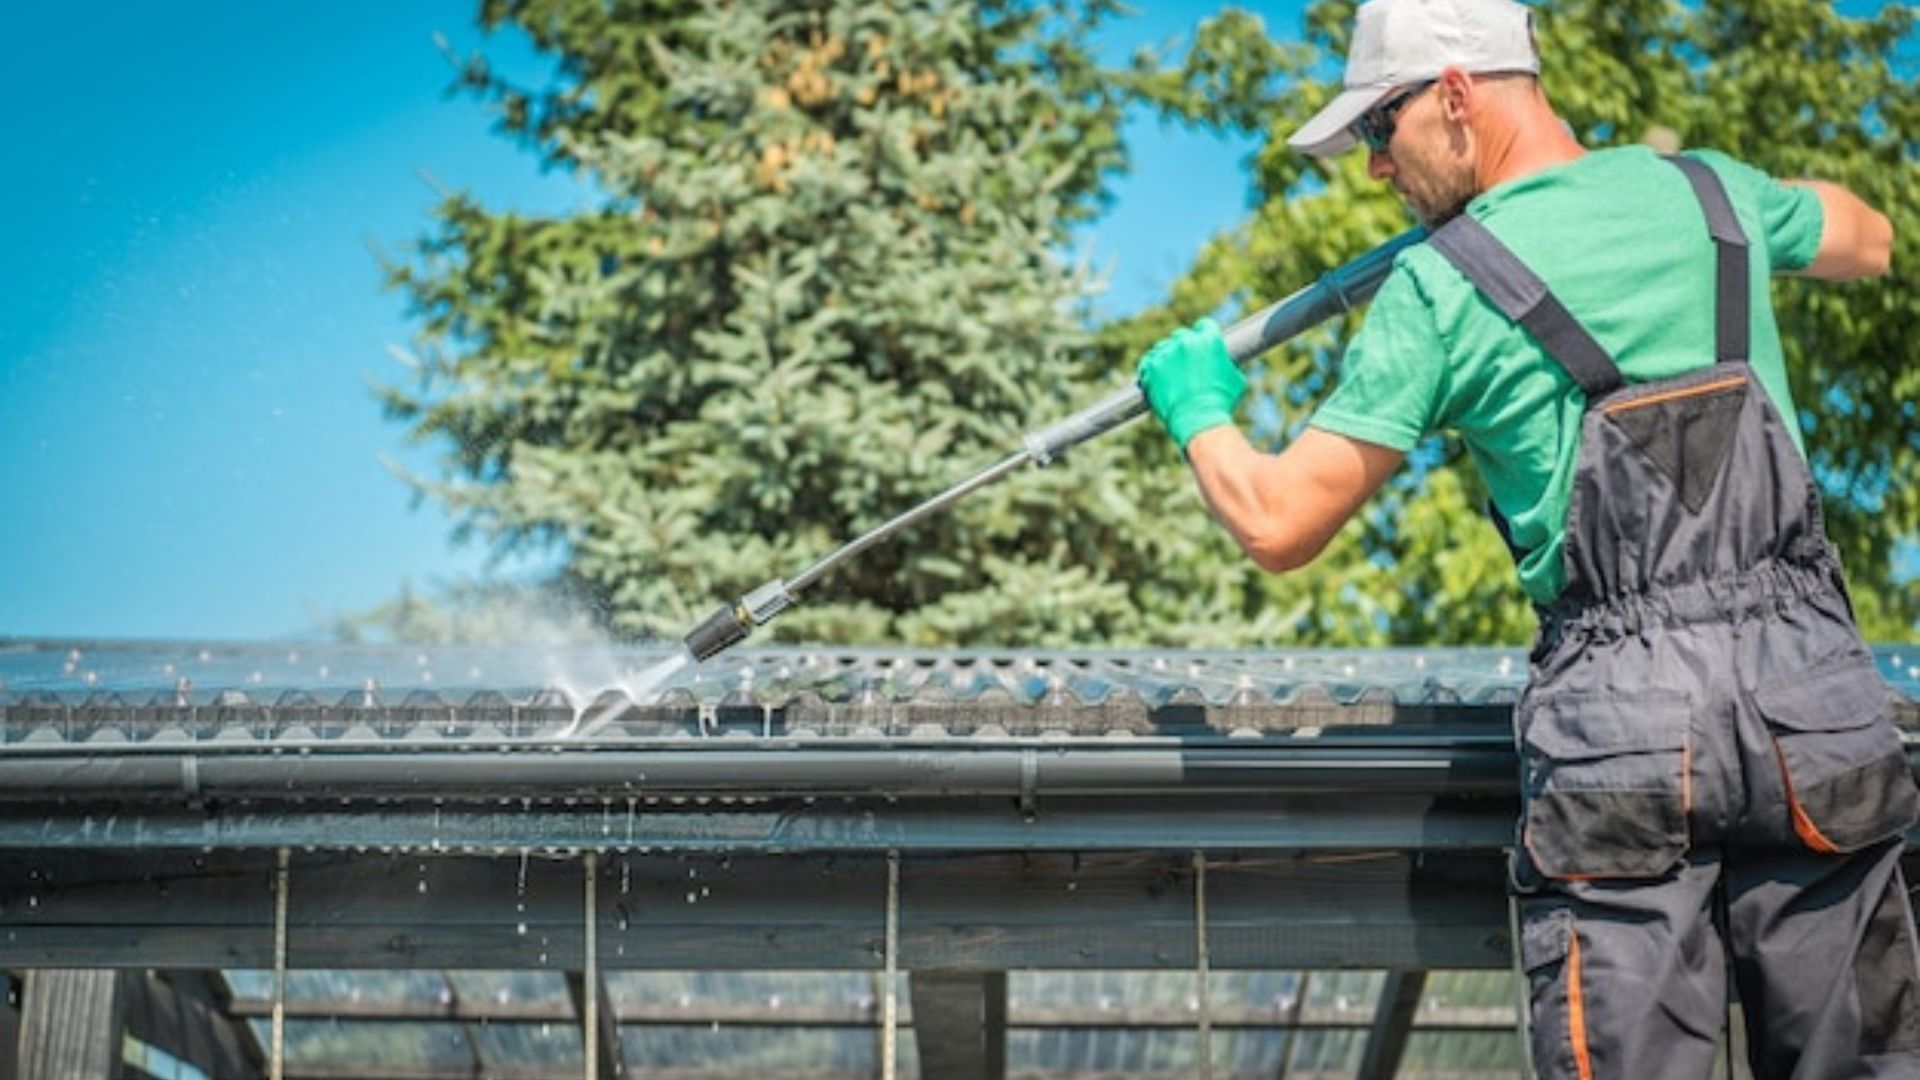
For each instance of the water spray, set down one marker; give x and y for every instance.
(1340, 290)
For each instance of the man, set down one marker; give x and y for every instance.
(1709, 764)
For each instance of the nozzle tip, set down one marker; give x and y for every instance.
(717, 632)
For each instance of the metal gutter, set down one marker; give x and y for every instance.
(1432, 765)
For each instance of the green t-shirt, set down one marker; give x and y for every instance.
(1620, 238)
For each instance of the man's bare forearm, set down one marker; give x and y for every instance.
(1856, 241)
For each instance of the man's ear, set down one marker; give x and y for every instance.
(1456, 95)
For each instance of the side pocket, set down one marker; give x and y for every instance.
(1845, 770)
(1550, 955)
(1606, 785)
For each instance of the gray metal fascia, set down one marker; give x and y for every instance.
(1063, 823)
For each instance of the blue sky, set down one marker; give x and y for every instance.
(190, 313)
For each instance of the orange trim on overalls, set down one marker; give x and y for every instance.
(1809, 833)
(1686, 779)
(1674, 395)
(1577, 1010)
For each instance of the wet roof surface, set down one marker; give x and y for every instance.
(72, 691)
(264, 672)
(138, 672)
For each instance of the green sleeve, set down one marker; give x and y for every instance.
(1391, 378)
(1791, 218)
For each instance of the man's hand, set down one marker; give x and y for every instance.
(1191, 381)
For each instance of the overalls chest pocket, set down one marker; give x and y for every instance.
(1605, 784)
(1848, 781)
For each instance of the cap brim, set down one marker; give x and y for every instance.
(1330, 130)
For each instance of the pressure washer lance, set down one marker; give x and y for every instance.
(1340, 290)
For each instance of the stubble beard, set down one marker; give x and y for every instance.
(1440, 195)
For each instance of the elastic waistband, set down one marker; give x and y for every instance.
(1759, 591)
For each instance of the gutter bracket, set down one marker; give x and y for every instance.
(190, 775)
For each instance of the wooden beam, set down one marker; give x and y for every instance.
(179, 1012)
(9, 1027)
(452, 998)
(762, 1015)
(72, 1025)
(1247, 818)
(611, 1065)
(1292, 1044)
(220, 992)
(799, 911)
(1392, 1023)
(960, 1024)
(550, 1073)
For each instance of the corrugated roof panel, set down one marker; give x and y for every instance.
(137, 692)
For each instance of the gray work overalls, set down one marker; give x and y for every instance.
(1709, 764)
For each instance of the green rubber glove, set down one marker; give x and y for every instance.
(1191, 382)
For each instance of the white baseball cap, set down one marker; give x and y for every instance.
(1396, 42)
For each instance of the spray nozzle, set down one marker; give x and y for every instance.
(729, 625)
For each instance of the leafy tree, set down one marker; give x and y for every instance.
(1793, 86)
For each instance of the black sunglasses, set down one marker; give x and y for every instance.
(1375, 126)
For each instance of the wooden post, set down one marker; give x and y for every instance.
(73, 1025)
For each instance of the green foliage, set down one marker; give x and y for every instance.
(1792, 86)
(822, 283)
(821, 287)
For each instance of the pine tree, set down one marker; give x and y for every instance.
(824, 283)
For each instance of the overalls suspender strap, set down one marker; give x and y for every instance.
(1520, 294)
(1731, 286)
